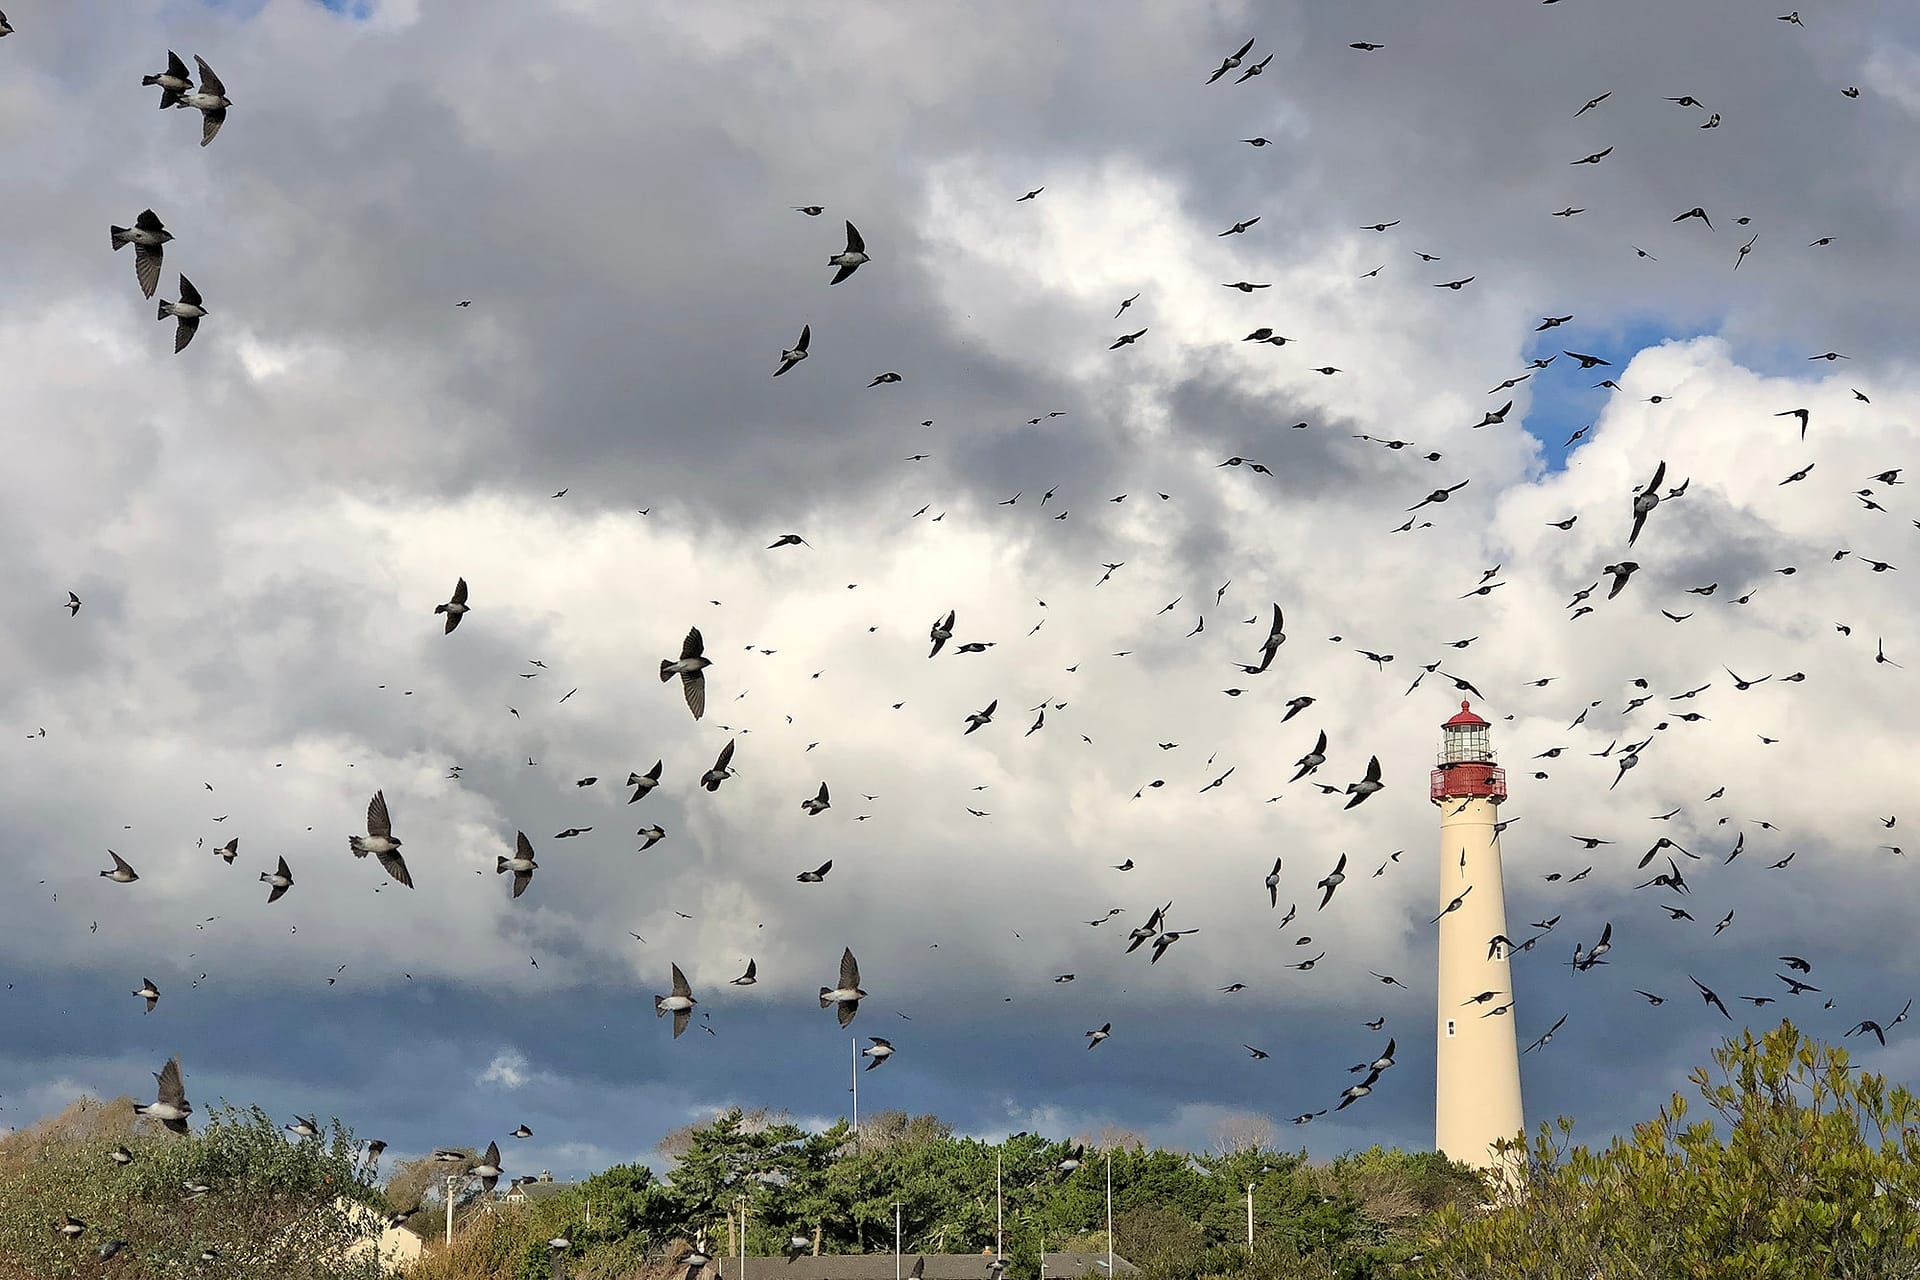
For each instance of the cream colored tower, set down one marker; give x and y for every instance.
(1476, 1091)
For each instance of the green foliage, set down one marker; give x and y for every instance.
(273, 1208)
(1806, 1170)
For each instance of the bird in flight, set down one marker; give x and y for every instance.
(146, 235)
(380, 841)
(850, 258)
(691, 666)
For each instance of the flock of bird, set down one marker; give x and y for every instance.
(691, 666)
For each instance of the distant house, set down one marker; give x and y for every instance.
(397, 1247)
(539, 1189)
(880, 1266)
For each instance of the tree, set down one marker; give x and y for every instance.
(272, 1207)
(1807, 1171)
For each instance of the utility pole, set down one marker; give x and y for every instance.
(743, 1239)
(1109, 1213)
(1249, 1215)
(999, 1213)
(896, 1240)
(855, 1046)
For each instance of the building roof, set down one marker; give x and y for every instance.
(940, 1266)
(1466, 718)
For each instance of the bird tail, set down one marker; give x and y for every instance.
(666, 670)
(264, 877)
(118, 243)
(439, 608)
(358, 845)
(658, 1012)
(149, 80)
(826, 997)
(165, 309)
(500, 864)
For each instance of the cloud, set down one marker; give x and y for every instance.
(260, 528)
(508, 1070)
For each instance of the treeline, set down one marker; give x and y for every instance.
(1804, 1168)
(1174, 1214)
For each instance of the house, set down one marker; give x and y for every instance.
(538, 1189)
(397, 1247)
(882, 1266)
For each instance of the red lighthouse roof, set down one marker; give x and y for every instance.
(1466, 718)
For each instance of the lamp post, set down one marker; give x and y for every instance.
(1249, 1215)
(451, 1179)
(1109, 1212)
(896, 1240)
(742, 1202)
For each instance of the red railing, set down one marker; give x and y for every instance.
(1462, 781)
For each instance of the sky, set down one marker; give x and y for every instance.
(260, 526)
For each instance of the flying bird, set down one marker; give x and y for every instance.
(380, 842)
(146, 235)
(679, 1002)
(849, 258)
(456, 608)
(187, 312)
(172, 1109)
(848, 995)
(691, 667)
(793, 355)
(210, 100)
(173, 82)
(521, 864)
(280, 878)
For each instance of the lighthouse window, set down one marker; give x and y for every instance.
(1449, 1026)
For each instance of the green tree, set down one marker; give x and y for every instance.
(1807, 1170)
(271, 1207)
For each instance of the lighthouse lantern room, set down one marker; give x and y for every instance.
(1465, 763)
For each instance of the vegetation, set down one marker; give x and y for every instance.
(1805, 1169)
(271, 1207)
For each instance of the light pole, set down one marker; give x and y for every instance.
(1249, 1215)
(855, 1076)
(1109, 1212)
(451, 1179)
(896, 1240)
(742, 1202)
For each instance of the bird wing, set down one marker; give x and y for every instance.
(694, 685)
(725, 757)
(396, 867)
(680, 1017)
(1659, 474)
(189, 325)
(119, 863)
(680, 987)
(460, 591)
(524, 847)
(378, 823)
(849, 973)
(846, 1011)
(806, 336)
(1373, 769)
(172, 1090)
(693, 646)
(521, 879)
(209, 82)
(854, 243)
(146, 267)
(188, 293)
(1320, 747)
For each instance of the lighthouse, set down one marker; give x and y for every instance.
(1476, 1086)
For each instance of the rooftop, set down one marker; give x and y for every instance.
(939, 1266)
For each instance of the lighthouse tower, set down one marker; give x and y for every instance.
(1477, 1060)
